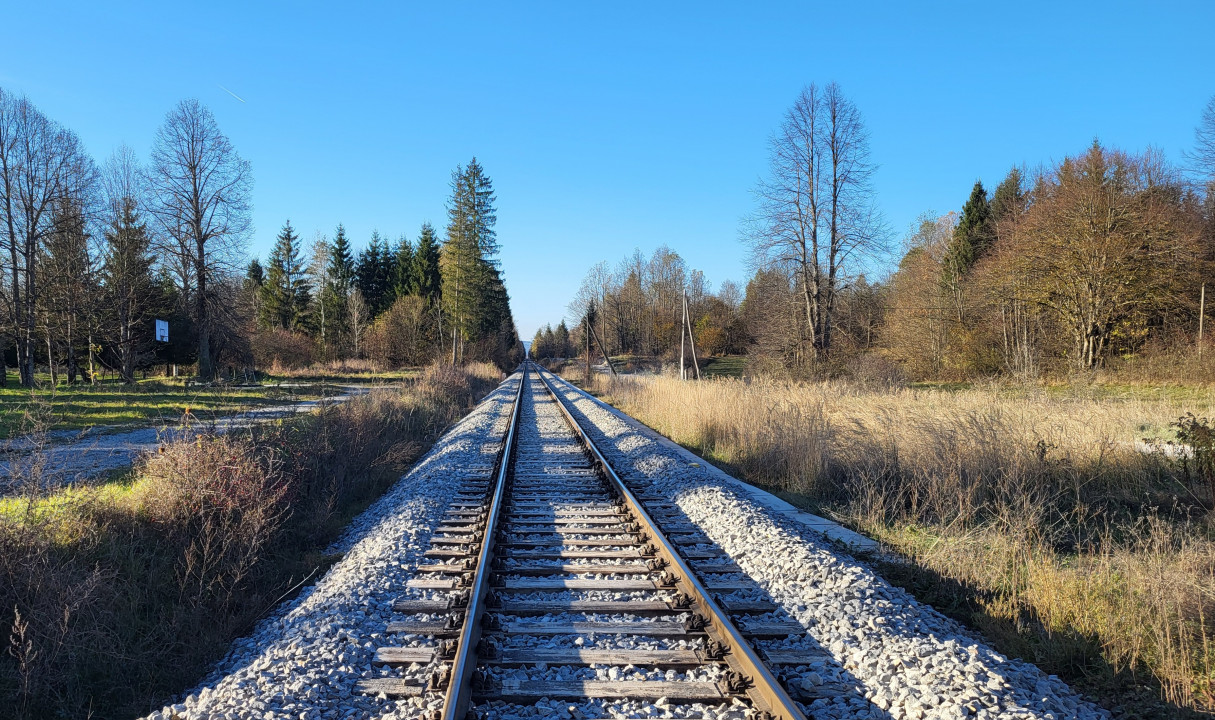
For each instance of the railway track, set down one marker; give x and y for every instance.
(552, 577)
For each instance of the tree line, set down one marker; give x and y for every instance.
(91, 255)
(1064, 267)
(403, 303)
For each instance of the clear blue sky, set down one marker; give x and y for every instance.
(608, 126)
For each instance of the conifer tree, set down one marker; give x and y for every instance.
(472, 291)
(286, 292)
(131, 291)
(335, 295)
(424, 276)
(1007, 202)
(402, 269)
(971, 237)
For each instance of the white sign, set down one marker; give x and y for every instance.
(162, 330)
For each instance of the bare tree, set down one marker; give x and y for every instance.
(816, 217)
(1203, 156)
(201, 188)
(42, 168)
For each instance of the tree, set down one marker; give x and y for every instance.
(368, 272)
(467, 264)
(286, 292)
(126, 272)
(816, 216)
(1203, 156)
(338, 278)
(132, 295)
(424, 275)
(969, 241)
(402, 335)
(42, 167)
(70, 290)
(202, 189)
(1103, 246)
(916, 331)
(402, 269)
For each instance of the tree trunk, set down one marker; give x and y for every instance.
(206, 369)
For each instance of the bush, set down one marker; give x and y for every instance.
(277, 349)
(114, 598)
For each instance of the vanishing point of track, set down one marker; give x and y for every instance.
(552, 542)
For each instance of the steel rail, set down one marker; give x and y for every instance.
(766, 689)
(459, 684)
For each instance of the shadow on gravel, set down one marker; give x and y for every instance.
(1075, 657)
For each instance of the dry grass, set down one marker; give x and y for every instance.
(113, 598)
(1028, 512)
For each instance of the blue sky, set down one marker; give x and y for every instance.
(608, 126)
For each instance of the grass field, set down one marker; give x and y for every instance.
(1031, 513)
(111, 403)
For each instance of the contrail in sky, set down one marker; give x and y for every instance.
(238, 97)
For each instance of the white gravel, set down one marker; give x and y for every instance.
(895, 657)
(304, 661)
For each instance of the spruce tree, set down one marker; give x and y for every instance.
(472, 290)
(1008, 201)
(402, 270)
(335, 294)
(970, 238)
(255, 275)
(286, 291)
(130, 289)
(424, 280)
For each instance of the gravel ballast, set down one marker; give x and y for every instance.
(303, 661)
(883, 654)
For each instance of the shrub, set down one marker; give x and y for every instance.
(114, 598)
(279, 349)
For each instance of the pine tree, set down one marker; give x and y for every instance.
(402, 270)
(424, 276)
(286, 292)
(373, 274)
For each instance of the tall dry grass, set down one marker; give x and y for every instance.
(113, 598)
(1032, 513)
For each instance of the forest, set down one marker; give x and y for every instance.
(1097, 261)
(93, 254)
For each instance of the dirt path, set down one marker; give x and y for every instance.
(69, 456)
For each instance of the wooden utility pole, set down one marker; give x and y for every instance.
(683, 323)
(587, 325)
(603, 350)
(687, 322)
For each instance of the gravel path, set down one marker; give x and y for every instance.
(71, 456)
(899, 658)
(304, 661)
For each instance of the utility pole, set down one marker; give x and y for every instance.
(687, 322)
(683, 324)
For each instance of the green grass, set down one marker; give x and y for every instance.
(726, 366)
(110, 403)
